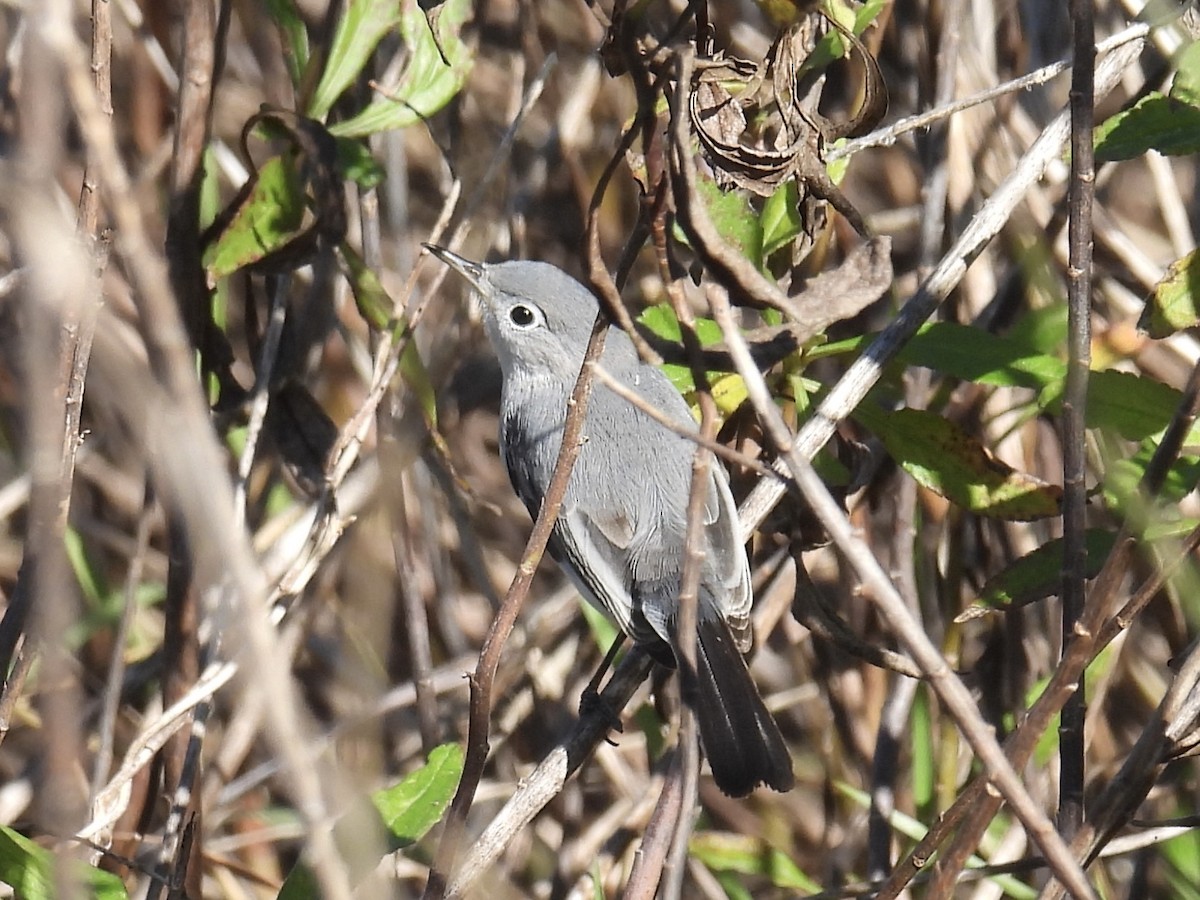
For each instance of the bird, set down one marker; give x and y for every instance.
(620, 533)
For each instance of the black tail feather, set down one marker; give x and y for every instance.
(740, 736)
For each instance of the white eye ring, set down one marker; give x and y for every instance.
(523, 317)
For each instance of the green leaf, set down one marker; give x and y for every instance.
(650, 723)
(733, 888)
(837, 168)
(1037, 574)
(1043, 331)
(1186, 84)
(734, 218)
(661, 320)
(410, 808)
(358, 164)
(1173, 305)
(597, 880)
(407, 810)
(1133, 406)
(1123, 477)
(1180, 887)
(832, 45)
(924, 769)
(780, 218)
(29, 870)
(376, 306)
(1155, 122)
(726, 852)
(374, 303)
(358, 31)
(293, 34)
(945, 459)
(1182, 854)
(429, 80)
(91, 582)
(267, 219)
(300, 884)
(977, 355)
(729, 390)
(604, 632)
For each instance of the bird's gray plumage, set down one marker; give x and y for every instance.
(620, 534)
(628, 516)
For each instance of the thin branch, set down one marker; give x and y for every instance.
(493, 646)
(546, 781)
(1081, 194)
(60, 283)
(819, 616)
(1177, 716)
(116, 664)
(113, 798)
(24, 657)
(89, 197)
(892, 609)
(166, 408)
(651, 855)
(412, 602)
(677, 859)
(504, 147)
(975, 806)
(886, 136)
(260, 396)
(598, 277)
(867, 369)
(688, 432)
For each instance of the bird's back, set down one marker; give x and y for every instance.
(633, 502)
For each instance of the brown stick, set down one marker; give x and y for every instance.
(975, 807)
(949, 688)
(493, 645)
(1079, 307)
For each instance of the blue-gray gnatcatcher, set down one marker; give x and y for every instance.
(620, 533)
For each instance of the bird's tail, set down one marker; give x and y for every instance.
(740, 736)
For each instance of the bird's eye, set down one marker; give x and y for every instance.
(522, 316)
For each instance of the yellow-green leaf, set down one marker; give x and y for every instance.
(270, 216)
(30, 871)
(376, 306)
(945, 459)
(437, 68)
(359, 29)
(1173, 305)
(726, 852)
(410, 808)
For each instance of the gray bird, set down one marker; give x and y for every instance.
(620, 533)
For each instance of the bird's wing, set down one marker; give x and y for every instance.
(597, 566)
(655, 505)
(728, 559)
(592, 535)
(620, 533)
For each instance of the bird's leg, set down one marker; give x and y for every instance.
(590, 700)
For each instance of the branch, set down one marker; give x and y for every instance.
(502, 625)
(1081, 194)
(867, 369)
(546, 781)
(893, 610)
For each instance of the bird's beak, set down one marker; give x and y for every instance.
(472, 271)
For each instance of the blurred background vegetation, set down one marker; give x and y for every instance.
(285, 458)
